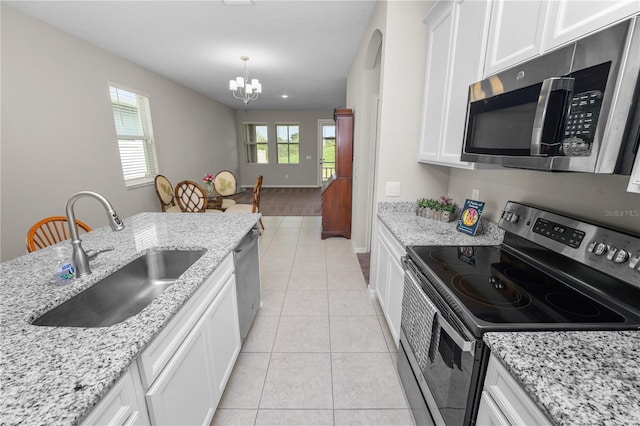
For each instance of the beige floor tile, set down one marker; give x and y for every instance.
(274, 278)
(309, 263)
(275, 261)
(244, 388)
(233, 417)
(272, 301)
(373, 418)
(345, 280)
(307, 280)
(294, 417)
(342, 262)
(350, 303)
(298, 381)
(365, 381)
(261, 335)
(302, 334)
(356, 334)
(305, 303)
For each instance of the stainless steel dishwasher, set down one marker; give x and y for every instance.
(246, 261)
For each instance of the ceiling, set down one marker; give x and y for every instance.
(300, 48)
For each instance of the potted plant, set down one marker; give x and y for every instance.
(443, 208)
(208, 181)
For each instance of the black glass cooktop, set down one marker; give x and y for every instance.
(497, 287)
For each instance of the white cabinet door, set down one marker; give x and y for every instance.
(510, 399)
(572, 19)
(455, 60)
(185, 393)
(396, 290)
(389, 278)
(223, 332)
(123, 405)
(471, 19)
(440, 27)
(516, 33)
(380, 263)
(489, 414)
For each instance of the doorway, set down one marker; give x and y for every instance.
(326, 150)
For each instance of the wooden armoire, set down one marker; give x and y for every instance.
(337, 190)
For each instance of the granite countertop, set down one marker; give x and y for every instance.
(56, 375)
(576, 377)
(410, 229)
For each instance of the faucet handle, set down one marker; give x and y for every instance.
(92, 254)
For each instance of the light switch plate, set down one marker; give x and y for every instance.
(308, 157)
(393, 189)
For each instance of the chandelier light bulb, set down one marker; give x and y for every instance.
(244, 88)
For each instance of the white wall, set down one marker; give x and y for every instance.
(596, 198)
(304, 174)
(402, 80)
(58, 134)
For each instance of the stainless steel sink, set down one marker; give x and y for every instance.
(124, 293)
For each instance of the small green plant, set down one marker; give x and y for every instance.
(427, 203)
(443, 203)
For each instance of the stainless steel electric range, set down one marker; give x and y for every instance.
(551, 272)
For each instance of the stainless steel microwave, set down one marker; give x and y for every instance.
(571, 109)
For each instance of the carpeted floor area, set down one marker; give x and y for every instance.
(286, 201)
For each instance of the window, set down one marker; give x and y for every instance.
(288, 138)
(256, 143)
(132, 118)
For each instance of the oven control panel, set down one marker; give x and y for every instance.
(611, 252)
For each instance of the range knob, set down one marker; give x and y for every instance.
(600, 249)
(514, 218)
(621, 256)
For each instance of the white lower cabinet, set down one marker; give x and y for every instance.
(123, 405)
(184, 393)
(504, 402)
(388, 277)
(179, 378)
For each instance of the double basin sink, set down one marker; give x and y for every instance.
(124, 293)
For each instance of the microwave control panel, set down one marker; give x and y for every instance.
(580, 127)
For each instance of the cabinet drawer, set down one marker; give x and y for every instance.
(166, 343)
(514, 403)
(122, 405)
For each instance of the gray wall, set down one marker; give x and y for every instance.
(304, 174)
(58, 135)
(400, 90)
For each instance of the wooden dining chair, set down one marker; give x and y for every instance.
(226, 185)
(192, 198)
(164, 190)
(254, 207)
(49, 231)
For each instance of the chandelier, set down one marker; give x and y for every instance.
(244, 89)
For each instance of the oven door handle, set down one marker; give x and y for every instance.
(464, 344)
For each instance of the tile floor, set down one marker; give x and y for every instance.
(319, 352)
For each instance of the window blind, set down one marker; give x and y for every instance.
(132, 118)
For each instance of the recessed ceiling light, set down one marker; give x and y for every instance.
(285, 96)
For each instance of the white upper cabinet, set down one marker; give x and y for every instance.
(521, 30)
(516, 33)
(455, 52)
(571, 19)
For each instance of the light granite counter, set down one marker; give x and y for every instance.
(576, 378)
(56, 375)
(410, 229)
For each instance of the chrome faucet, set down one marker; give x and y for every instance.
(80, 258)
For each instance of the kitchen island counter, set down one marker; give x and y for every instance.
(56, 375)
(410, 229)
(578, 377)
